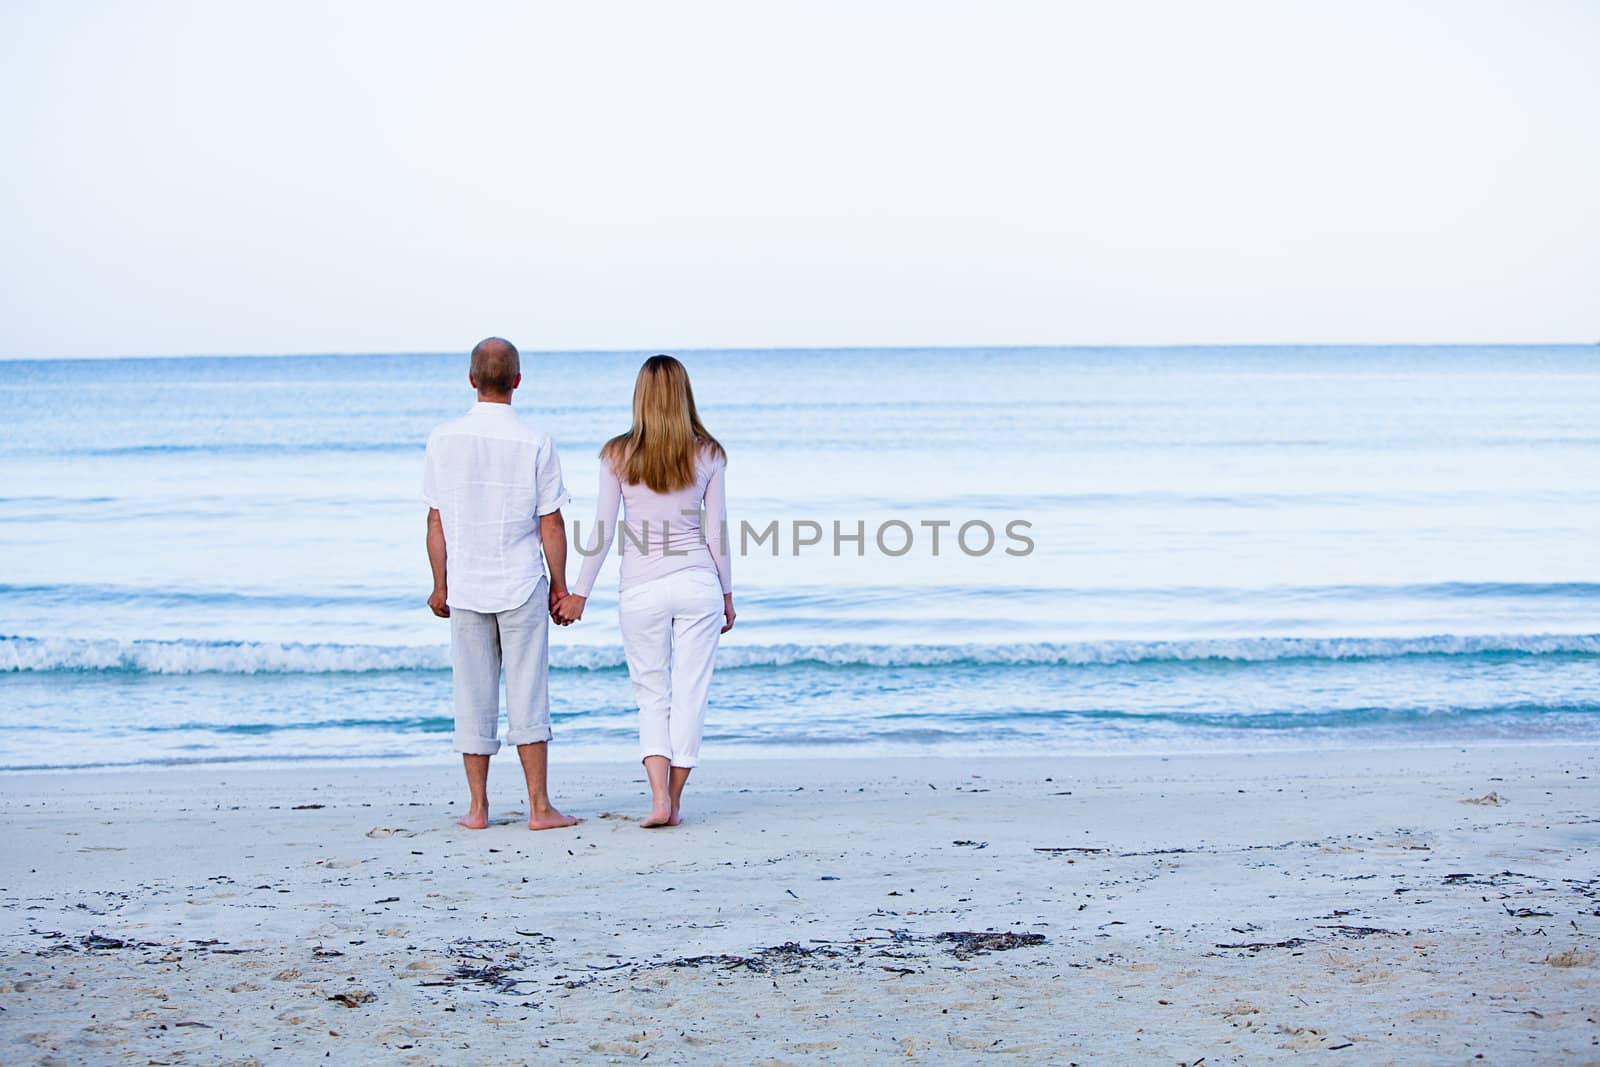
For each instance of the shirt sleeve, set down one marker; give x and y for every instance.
(605, 520)
(430, 477)
(552, 490)
(716, 519)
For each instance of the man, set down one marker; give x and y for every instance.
(494, 492)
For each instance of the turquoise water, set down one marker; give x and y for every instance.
(221, 559)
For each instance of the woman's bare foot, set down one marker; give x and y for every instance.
(548, 818)
(675, 784)
(474, 820)
(661, 814)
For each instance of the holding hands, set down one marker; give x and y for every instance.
(567, 608)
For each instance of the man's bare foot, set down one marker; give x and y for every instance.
(660, 815)
(548, 818)
(474, 820)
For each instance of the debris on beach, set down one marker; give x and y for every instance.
(492, 963)
(792, 957)
(1491, 798)
(1257, 946)
(1360, 931)
(496, 976)
(967, 944)
(94, 942)
(786, 958)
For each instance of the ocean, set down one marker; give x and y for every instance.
(1068, 551)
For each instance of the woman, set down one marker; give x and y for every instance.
(676, 591)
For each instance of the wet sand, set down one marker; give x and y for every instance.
(1404, 906)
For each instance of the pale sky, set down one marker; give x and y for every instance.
(275, 177)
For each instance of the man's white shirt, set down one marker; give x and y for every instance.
(491, 476)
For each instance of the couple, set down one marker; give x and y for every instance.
(494, 492)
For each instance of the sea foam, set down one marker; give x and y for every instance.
(29, 654)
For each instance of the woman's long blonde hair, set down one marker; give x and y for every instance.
(667, 434)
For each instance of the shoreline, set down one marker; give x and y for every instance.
(588, 763)
(1403, 905)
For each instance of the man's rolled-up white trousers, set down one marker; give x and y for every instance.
(482, 647)
(670, 629)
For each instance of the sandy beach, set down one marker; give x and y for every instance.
(1405, 906)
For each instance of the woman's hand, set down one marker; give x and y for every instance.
(727, 611)
(570, 609)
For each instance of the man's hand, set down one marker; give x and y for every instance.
(439, 603)
(727, 611)
(570, 609)
(556, 597)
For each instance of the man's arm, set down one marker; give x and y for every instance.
(553, 536)
(437, 601)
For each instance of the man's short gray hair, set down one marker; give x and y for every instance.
(496, 365)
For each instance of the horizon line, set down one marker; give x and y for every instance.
(810, 348)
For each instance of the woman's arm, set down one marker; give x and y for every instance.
(716, 518)
(605, 518)
(717, 538)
